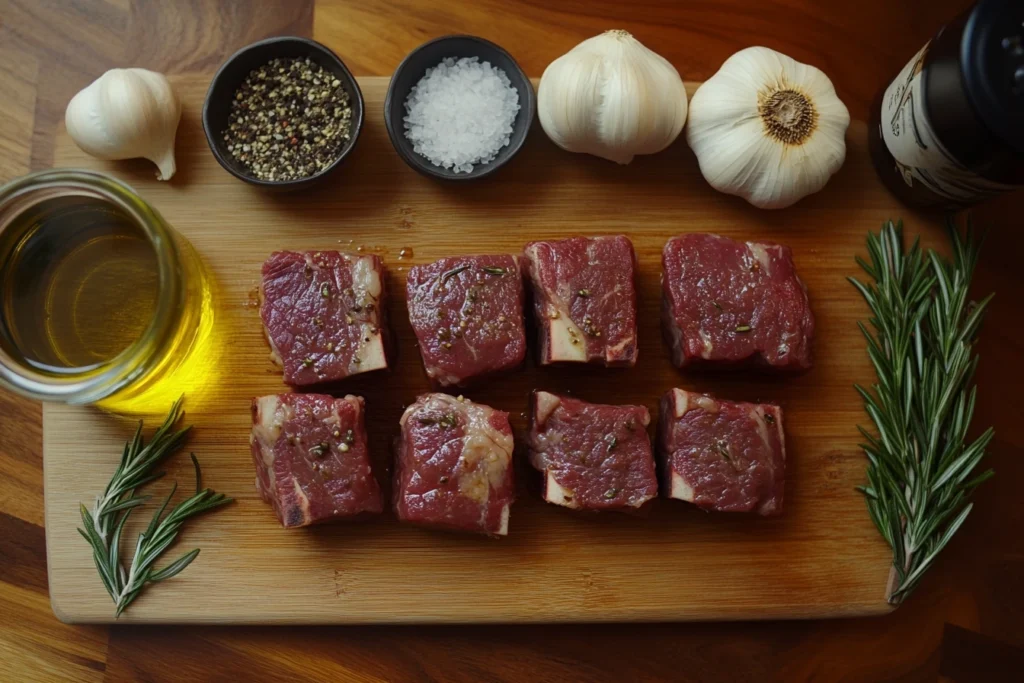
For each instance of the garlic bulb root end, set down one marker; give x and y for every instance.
(767, 128)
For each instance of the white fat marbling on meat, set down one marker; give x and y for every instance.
(612, 352)
(685, 401)
(681, 402)
(757, 415)
(565, 339)
(303, 501)
(271, 415)
(706, 346)
(486, 452)
(558, 494)
(366, 282)
(706, 403)
(370, 354)
(680, 489)
(486, 456)
(546, 404)
(503, 524)
(760, 254)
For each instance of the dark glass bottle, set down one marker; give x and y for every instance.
(948, 132)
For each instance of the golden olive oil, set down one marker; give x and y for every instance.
(80, 284)
(100, 300)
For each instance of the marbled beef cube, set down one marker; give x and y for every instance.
(311, 458)
(722, 455)
(467, 313)
(324, 314)
(454, 466)
(592, 457)
(584, 299)
(728, 302)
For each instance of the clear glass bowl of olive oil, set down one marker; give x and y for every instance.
(101, 302)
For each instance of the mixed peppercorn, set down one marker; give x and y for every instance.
(290, 119)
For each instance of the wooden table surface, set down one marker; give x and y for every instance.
(965, 621)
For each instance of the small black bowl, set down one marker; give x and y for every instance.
(413, 68)
(217, 107)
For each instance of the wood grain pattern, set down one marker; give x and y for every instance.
(976, 583)
(677, 564)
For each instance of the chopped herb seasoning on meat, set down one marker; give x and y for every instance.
(448, 275)
(289, 119)
(584, 276)
(565, 433)
(307, 480)
(718, 455)
(723, 449)
(447, 420)
(769, 321)
(467, 318)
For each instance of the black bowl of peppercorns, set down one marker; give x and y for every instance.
(282, 113)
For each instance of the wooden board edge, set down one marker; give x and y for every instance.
(880, 608)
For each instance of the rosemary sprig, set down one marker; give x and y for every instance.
(105, 522)
(920, 464)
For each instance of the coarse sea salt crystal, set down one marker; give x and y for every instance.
(461, 113)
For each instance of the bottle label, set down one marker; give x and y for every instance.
(920, 157)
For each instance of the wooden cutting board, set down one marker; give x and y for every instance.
(821, 558)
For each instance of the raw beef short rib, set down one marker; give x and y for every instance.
(454, 466)
(592, 457)
(467, 313)
(722, 455)
(324, 314)
(311, 458)
(727, 302)
(584, 299)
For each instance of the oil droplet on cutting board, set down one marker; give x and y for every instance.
(405, 252)
(253, 299)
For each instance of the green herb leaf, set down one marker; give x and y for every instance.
(175, 567)
(494, 270)
(449, 274)
(103, 525)
(920, 339)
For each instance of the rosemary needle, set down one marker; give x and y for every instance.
(920, 464)
(105, 522)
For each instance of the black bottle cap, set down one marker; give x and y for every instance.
(992, 64)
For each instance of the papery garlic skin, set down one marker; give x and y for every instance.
(767, 128)
(612, 97)
(126, 114)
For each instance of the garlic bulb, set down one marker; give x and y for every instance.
(125, 114)
(611, 97)
(767, 128)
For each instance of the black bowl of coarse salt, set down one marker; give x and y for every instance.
(458, 108)
(282, 113)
